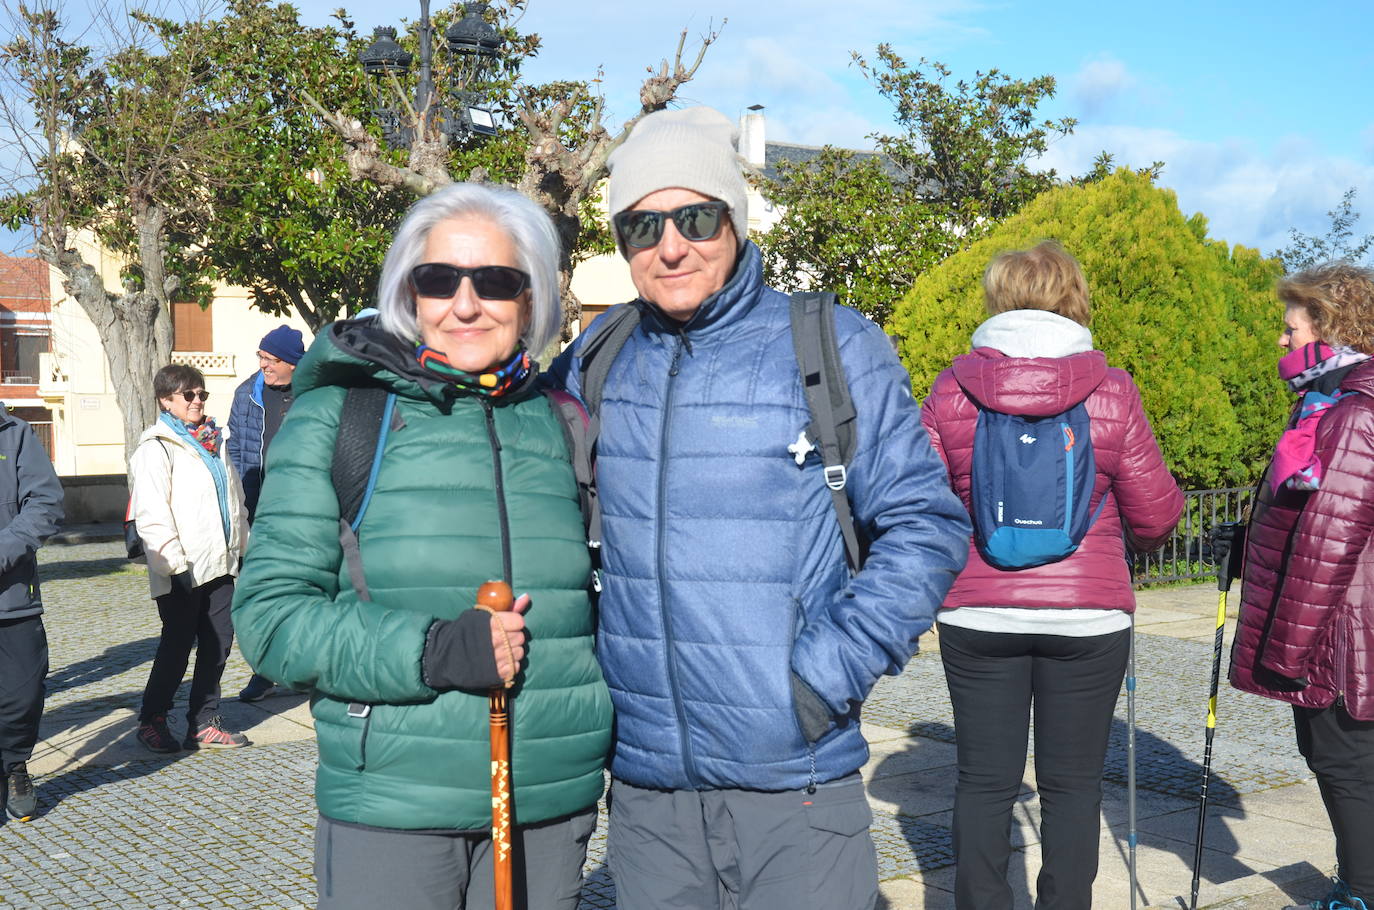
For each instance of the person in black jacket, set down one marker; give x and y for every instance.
(30, 509)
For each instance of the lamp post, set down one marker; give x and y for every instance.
(472, 46)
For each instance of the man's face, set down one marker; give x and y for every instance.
(677, 274)
(274, 370)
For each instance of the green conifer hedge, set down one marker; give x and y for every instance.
(1193, 320)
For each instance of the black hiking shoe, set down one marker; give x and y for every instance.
(20, 799)
(155, 736)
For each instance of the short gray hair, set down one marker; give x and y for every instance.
(529, 228)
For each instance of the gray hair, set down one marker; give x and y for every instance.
(529, 228)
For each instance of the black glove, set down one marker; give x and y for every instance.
(458, 653)
(182, 582)
(813, 715)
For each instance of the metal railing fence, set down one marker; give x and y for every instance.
(1187, 554)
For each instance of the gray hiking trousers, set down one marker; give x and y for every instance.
(742, 850)
(369, 868)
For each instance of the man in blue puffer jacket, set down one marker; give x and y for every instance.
(738, 646)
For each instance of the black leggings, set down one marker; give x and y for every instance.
(995, 680)
(1340, 751)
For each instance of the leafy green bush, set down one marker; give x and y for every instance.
(1192, 319)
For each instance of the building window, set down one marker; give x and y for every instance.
(191, 327)
(20, 346)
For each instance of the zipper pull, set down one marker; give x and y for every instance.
(491, 423)
(677, 354)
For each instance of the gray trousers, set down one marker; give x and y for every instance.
(743, 850)
(367, 868)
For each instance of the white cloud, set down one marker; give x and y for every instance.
(1100, 82)
(1248, 195)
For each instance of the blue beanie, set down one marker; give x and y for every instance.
(283, 343)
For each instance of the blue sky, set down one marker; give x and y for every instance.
(1261, 111)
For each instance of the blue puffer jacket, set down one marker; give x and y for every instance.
(246, 419)
(724, 570)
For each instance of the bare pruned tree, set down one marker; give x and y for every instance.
(566, 146)
(119, 139)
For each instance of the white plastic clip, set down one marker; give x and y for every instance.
(801, 448)
(836, 477)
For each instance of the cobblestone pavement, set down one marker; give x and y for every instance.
(120, 828)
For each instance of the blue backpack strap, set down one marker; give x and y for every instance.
(833, 430)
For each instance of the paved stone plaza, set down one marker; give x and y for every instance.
(121, 828)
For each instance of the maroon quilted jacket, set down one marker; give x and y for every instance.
(1143, 492)
(1307, 600)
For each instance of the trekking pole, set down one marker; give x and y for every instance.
(1228, 546)
(496, 596)
(1130, 763)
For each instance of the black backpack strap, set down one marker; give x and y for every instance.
(833, 429)
(598, 353)
(576, 424)
(364, 424)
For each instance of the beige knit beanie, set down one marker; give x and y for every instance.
(694, 149)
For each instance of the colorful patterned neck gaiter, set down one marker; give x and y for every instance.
(492, 384)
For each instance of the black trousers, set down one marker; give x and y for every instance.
(200, 620)
(1340, 751)
(996, 680)
(23, 666)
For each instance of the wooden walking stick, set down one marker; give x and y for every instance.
(496, 596)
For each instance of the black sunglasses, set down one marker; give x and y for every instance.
(490, 282)
(192, 396)
(640, 229)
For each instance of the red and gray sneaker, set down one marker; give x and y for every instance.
(212, 735)
(155, 736)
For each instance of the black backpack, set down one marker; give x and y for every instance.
(833, 430)
(368, 417)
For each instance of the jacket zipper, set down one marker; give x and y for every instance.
(1342, 650)
(502, 515)
(688, 763)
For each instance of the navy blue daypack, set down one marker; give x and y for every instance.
(1031, 484)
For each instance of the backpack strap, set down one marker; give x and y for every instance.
(576, 424)
(833, 429)
(598, 353)
(364, 424)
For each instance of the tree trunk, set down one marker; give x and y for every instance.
(135, 328)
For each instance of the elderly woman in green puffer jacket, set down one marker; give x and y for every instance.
(475, 483)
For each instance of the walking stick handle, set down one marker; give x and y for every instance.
(497, 596)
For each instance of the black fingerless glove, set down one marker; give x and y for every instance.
(458, 653)
(182, 582)
(812, 714)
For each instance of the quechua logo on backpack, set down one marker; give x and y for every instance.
(1032, 481)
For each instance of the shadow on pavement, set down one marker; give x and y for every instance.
(66, 569)
(112, 661)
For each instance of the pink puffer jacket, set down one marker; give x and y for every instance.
(1143, 492)
(1307, 600)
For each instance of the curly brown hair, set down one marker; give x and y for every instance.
(1044, 277)
(1339, 299)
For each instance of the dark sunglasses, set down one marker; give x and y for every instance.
(490, 282)
(640, 229)
(192, 396)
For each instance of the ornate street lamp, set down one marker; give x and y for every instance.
(473, 46)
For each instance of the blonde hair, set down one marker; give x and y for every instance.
(1044, 277)
(1339, 299)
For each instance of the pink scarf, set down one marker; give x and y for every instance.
(1295, 457)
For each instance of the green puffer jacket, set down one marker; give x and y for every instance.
(432, 533)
